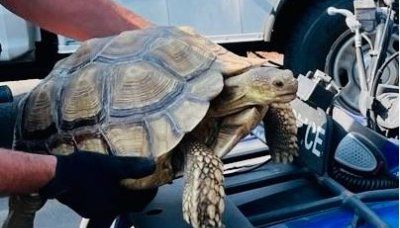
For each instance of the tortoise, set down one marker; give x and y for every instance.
(165, 93)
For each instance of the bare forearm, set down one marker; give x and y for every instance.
(24, 173)
(76, 18)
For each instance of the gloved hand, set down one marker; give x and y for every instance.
(89, 183)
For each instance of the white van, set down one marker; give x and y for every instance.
(300, 29)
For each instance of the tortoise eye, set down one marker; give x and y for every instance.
(278, 83)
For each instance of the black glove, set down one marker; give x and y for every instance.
(89, 183)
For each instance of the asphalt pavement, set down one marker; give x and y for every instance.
(52, 215)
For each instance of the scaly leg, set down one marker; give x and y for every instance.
(203, 195)
(281, 132)
(22, 209)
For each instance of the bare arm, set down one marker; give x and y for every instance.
(77, 19)
(23, 172)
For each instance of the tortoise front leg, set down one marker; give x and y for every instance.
(281, 132)
(22, 210)
(203, 195)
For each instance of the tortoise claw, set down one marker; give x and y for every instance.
(284, 155)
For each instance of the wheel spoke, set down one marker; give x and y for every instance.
(344, 67)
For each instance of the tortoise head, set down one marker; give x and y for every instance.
(259, 86)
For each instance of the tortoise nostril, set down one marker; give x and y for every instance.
(278, 83)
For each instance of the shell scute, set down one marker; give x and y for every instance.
(138, 92)
(81, 98)
(38, 121)
(163, 135)
(126, 44)
(62, 149)
(92, 143)
(85, 54)
(141, 88)
(181, 58)
(128, 140)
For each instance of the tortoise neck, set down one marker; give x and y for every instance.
(221, 108)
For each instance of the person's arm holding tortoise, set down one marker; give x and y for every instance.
(78, 19)
(78, 180)
(51, 175)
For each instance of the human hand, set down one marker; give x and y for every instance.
(89, 183)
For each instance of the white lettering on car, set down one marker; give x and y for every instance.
(314, 135)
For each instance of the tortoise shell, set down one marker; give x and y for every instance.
(134, 94)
